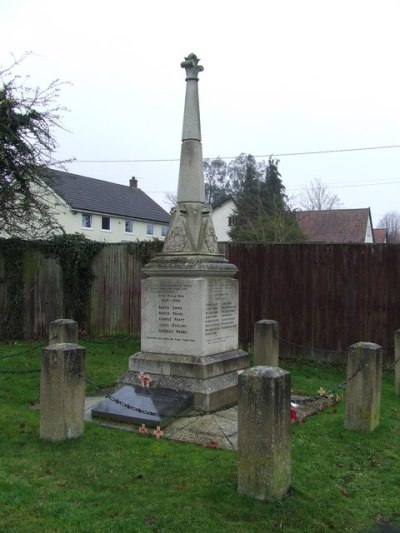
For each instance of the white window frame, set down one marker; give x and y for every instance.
(148, 226)
(164, 230)
(90, 217)
(102, 219)
(133, 226)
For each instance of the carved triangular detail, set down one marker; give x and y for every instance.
(210, 243)
(191, 230)
(176, 240)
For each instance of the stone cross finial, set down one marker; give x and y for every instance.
(192, 67)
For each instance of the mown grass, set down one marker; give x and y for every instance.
(111, 480)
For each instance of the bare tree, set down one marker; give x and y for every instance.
(316, 197)
(391, 222)
(171, 199)
(28, 117)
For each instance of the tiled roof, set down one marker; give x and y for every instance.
(97, 196)
(222, 201)
(380, 235)
(336, 225)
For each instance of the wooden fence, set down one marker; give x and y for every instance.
(323, 295)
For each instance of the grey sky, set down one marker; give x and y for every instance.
(280, 77)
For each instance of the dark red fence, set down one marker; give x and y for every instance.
(324, 296)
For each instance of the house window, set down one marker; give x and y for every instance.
(106, 223)
(128, 226)
(164, 230)
(86, 221)
(150, 229)
(232, 221)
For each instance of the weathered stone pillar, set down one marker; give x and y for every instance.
(397, 358)
(62, 392)
(266, 343)
(363, 392)
(63, 330)
(264, 430)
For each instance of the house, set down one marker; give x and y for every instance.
(104, 211)
(380, 235)
(223, 218)
(336, 225)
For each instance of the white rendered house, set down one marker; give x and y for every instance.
(102, 210)
(223, 218)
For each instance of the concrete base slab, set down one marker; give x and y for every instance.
(216, 430)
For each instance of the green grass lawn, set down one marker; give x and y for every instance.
(113, 480)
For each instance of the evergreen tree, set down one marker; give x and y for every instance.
(274, 191)
(245, 177)
(262, 213)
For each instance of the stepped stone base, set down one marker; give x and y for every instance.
(213, 379)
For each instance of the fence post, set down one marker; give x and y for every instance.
(63, 330)
(264, 429)
(266, 343)
(397, 360)
(62, 392)
(363, 390)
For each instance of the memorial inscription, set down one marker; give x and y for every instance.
(221, 312)
(174, 308)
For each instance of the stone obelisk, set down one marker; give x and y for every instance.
(189, 332)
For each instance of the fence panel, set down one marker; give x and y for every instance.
(323, 295)
(115, 292)
(43, 291)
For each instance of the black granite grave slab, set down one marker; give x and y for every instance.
(152, 406)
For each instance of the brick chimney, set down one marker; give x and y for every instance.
(133, 183)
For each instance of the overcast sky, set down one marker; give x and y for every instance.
(279, 77)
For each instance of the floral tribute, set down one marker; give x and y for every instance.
(145, 379)
(293, 414)
(158, 433)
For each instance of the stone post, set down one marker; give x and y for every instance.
(266, 343)
(62, 392)
(63, 330)
(397, 358)
(363, 391)
(264, 429)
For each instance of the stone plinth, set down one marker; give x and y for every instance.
(189, 337)
(62, 392)
(189, 316)
(264, 433)
(363, 390)
(213, 379)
